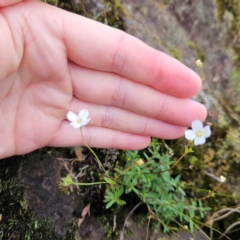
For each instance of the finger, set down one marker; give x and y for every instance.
(112, 90)
(4, 3)
(97, 46)
(98, 137)
(125, 121)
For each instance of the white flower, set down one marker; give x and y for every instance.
(198, 133)
(222, 179)
(199, 63)
(79, 120)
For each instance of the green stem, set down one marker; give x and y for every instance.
(174, 165)
(88, 184)
(125, 171)
(94, 154)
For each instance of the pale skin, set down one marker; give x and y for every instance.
(53, 61)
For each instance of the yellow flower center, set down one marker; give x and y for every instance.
(79, 120)
(199, 133)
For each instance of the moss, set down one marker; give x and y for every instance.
(117, 6)
(114, 16)
(175, 53)
(199, 52)
(219, 156)
(232, 6)
(161, 4)
(18, 221)
(112, 13)
(52, 2)
(159, 40)
(234, 77)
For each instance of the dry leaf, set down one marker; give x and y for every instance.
(80, 220)
(85, 211)
(78, 153)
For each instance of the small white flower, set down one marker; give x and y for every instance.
(199, 63)
(198, 133)
(79, 120)
(223, 179)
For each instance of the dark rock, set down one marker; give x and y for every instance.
(40, 176)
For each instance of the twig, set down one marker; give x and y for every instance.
(149, 220)
(81, 172)
(114, 222)
(230, 227)
(169, 228)
(212, 220)
(123, 229)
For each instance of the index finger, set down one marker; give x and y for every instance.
(100, 47)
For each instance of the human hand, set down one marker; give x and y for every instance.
(53, 61)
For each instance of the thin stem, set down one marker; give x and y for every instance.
(174, 165)
(149, 220)
(94, 154)
(230, 228)
(210, 193)
(125, 171)
(88, 184)
(123, 229)
(177, 161)
(165, 225)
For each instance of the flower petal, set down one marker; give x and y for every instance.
(85, 121)
(83, 114)
(197, 125)
(72, 117)
(190, 134)
(207, 131)
(199, 141)
(75, 124)
(223, 179)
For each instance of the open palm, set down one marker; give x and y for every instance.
(53, 61)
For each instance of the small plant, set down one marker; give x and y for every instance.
(148, 174)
